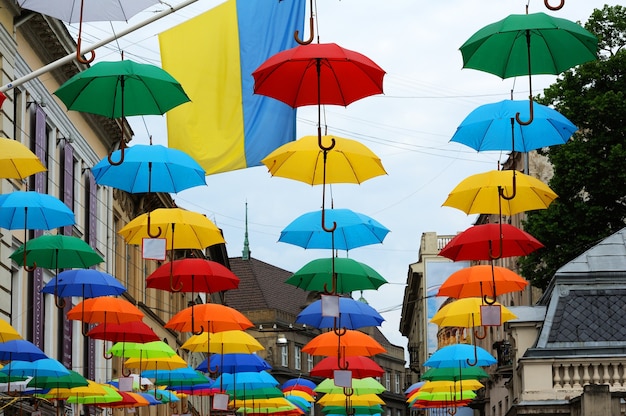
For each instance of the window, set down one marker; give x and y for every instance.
(396, 387)
(284, 356)
(309, 363)
(387, 381)
(297, 357)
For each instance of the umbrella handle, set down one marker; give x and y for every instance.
(472, 364)
(530, 81)
(531, 114)
(126, 374)
(153, 235)
(122, 148)
(513, 193)
(26, 267)
(172, 288)
(452, 411)
(483, 336)
(328, 230)
(79, 57)
(59, 301)
(488, 301)
(311, 29)
(347, 391)
(554, 8)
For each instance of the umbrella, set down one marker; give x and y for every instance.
(42, 367)
(358, 410)
(73, 379)
(492, 193)
(183, 376)
(490, 241)
(481, 281)
(17, 161)
(348, 344)
(299, 383)
(446, 386)
(527, 44)
(454, 373)
(445, 396)
(338, 399)
(359, 366)
(127, 400)
(224, 342)
(353, 230)
(353, 314)
(233, 363)
(91, 389)
(211, 317)
(7, 332)
(466, 313)
(154, 349)
(367, 385)
(458, 355)
(349, 161)
(492, 127)
(86, 283)
(124, 88)
(193, 275)
(300, 393)
(247, 379)
(190, 229)
(21, 350)
(135, 331)
(350, 275)
(93, 394)
(161, 363)
(105, 310)
(150, 168)
(302, 403)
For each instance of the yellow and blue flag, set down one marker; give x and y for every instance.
(226, 126)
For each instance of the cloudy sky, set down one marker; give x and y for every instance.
(426, 96)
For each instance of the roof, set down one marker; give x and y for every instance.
(262, 286)
(608, 256)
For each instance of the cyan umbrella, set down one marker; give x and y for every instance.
(353, 230)
(248, 380)
(351, 275)
(86, 283)
(35, 368)
(301, 402)
(460, 355)
(33, 211)
(353, 314)
(150, 168)
(493, 127)
(233, 363)
(185, 376)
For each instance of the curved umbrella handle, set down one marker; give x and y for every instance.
(554, 8)
(79, 57)
(122, 147)
(472, 364)
(531, 116)
(483, 336)
(296, 34)
(172, 288)
(28, 268)
(59, 301)
(452, 411)
(328, 230)
(530, 83)
(348, 391)
(513, 193)
(499, 255)
(126, 374)
(488, 301)
(340, 331)
(213, 372)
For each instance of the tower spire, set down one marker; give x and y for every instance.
(245, 254)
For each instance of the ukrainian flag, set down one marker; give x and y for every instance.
(225, 126)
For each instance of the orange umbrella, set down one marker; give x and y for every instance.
(105, 309)
(481, 281)
(348, 343)
(211, 317)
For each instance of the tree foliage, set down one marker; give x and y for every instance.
(589, 171)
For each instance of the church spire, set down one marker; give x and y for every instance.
(245, 254)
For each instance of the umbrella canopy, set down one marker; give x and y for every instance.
(318, 73)
(339, 399)
(367, 385)
(105, 309)
(353, 314)
(349, 161)
(358, 410)
(349, 344)
(466, 313)
(479, 194)
(134, 331)
(127, 400)
(448, 386)
(300, 393)
(161, 363)
(94, 10)
(131, 87)
(351, 275)
(33, 211)
(177, 378)
(7, 332)
(489, 241)
(86, 283)
(211, 317)
(457, 355)
(193, 275)
(233, 363)
(21, 350)
(443, 396)
(42, 367)
(182, 229)
(73, 379)
(299, 383)
(95, 393)
(555, 45)
(481, 280)
(224, 342)
(17, 161)
(150, 168)
(353, 230)
(246, 380)
(56, 251)
(91, 389)
(491, 127)
(454, 374)
(359, 366)
(154, 349)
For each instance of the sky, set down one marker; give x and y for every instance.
(427, 94)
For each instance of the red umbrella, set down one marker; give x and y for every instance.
(193, 275)
(490, 241)
(136, 331)
(360, 366)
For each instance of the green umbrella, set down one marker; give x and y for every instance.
(367, 385)
(351, 275)
(122, 88)
(526, 44)
(358, 410)
(454, 374)
(73, 379)
(57, 252)
(153, 349)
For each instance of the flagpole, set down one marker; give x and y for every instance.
(62, 61)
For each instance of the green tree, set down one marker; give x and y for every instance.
(589, 171)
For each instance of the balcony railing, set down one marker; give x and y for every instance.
(575, 374)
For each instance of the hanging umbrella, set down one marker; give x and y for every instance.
(7, 332)
(447, 386)
(492, 193)
(289, 392)
(458, 355)
(193, 275)
(338, 399)
(134, 331)
(351, 275)
(182, 229)
(349, 161)
(17, 161)
(127, 400)
(233, 363)
(104, 309)
(467, 313)
(445, 396)
(150, 168)
(124, 88)
(73, 379)
(161, 363)
(86, 283)
(358, 410)
(490, 241)
(353, 314)
(34, 368)
(21, 350)
(303, 404)
(367, 385)
(249, 380)
(359, 366)
(493, 127)
(347, 344)
(528, 44)
(154, 349)
(481, 281)
(178, 377)
(91, 389)
(353, 230)
(454, 374)
(299, 383)
(224, 342)
(211, 317)
(93, 394)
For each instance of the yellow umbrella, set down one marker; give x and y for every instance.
(466, 313)
(479, 194)
(447, 387)
(339, 399)
(224, 342)
(299, 393)
(17, 161)
(110, 395)
(261, 403)
(7, 332)
(91, 389)
(349, 161)
(182, 229)
(161, 363)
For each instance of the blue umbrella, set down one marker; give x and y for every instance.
(353, 230)
(33, 211)
(353, 314)
(86, 283)
(295, 382)
(233, 363)
(48, 367)
(459, 355)
(151, 398)
(150, 168)
(21, 350)
(493, 127)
